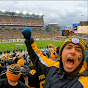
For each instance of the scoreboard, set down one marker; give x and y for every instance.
(82, 29)
(84, 23)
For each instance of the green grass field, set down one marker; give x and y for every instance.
(21, 45)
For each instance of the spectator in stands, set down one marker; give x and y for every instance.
(46, 53)
(25, 71)
(0, 61)
(70, 33)
(13, 74)
(0, 52)
(8, 63)
(21, 62)
(2, 68)
(55, 54)
(70, 73)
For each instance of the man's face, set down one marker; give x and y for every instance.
(70, 55)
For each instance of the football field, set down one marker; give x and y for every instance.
(21, 45)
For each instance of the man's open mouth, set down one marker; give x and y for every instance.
(70, 61)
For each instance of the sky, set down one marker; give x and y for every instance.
(63, 12)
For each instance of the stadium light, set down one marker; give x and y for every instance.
(17, 11)
(36, 13)
(24, 12)
(30, 13)
(3, 10)
(40, 14)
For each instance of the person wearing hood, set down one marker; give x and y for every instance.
(70, 72)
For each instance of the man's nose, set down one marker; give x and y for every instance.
(73, 51)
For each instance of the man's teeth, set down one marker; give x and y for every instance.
(70, 58)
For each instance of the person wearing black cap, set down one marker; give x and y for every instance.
(70, 73)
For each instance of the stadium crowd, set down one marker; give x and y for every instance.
(21, 20)
(7, 34)
(10, 34)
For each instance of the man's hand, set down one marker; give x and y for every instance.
(70, 32)
(51, 45)
(27, 33)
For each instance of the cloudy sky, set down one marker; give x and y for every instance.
(61, 12)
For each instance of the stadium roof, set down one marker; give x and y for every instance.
(53, 23)
(23, 14)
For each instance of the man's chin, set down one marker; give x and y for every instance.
(69, 70)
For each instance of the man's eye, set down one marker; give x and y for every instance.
(78, 50)
(68, 47)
